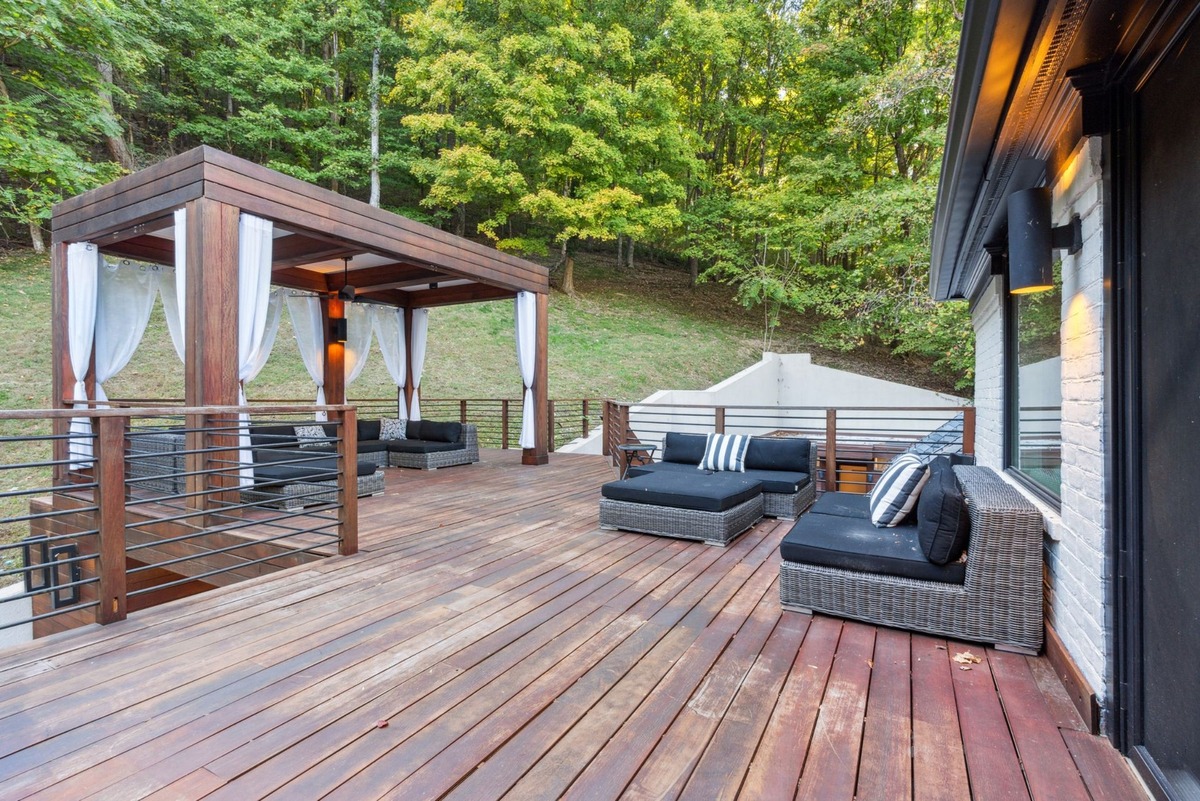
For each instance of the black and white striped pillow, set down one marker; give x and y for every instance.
(896, 492)
(725, 452)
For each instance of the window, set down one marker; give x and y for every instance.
(1034, 414)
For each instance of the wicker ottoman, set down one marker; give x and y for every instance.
(715, 510)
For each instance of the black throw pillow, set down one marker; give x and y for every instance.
(412, 430)
(684, 448)
(943, 522)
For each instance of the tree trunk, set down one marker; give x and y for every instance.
(35, 237)
(568, 281)
(116, 143)
(374, 200)
(460, 219)
(629, 254)
(694, 269)
(620, 249)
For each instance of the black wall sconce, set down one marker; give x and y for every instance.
(337, 329)
(1032, 240)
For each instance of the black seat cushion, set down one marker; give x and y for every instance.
(943, 523)
(684, 448)
(422, 446)
(303, 469)
(664, 467)
(788, 454)
(717, 493)
(364, 446)
(782, 481)
(854, 544)
(844, 504)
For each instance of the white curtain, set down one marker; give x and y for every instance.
(526, 317)
(173, 288)
(305, 311)
(420, 335)
(83, 262)
(125, 297)
(359, 319)
(254, 295)
(389, 330)
(259, 359)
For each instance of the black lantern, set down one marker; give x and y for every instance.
(1032, 240)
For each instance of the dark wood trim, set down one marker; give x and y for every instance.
(60, 358)
(110, 519)
(298, 278)
(348, 483)
(1077, 687)
(385, 276)
(465, 293)
(144, 248)
(129, 221)
(296, 249)
(130, 188)
(408, 364)
(335, 352)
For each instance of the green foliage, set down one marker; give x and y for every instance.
(790, 149)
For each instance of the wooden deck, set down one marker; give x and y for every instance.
(491, 642)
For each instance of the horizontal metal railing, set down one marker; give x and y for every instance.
(105, 511)
(854, 444)
(498, 420)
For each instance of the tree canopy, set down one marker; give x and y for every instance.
(788, 149)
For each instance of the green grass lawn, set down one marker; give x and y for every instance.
(626, 334)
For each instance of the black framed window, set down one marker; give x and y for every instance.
(1033, 437)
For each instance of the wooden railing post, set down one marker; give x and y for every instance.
(348, 483)
(110, 495)
(194, 461)
(550, 425)
(968, 443)
(462, 411)
(719, 419)
(504, 424)
(586, 427)
(606, 427)
(831, 477)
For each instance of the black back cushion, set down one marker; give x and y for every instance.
(943, 523)
(368, 429)
(273, 436)
(778, 453)
(684, 448)
(439, 432)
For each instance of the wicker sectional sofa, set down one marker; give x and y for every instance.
(782, 465)
(835, 561)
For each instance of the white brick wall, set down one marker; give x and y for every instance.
(1076, 564)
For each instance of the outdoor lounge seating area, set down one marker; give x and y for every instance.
(292, 465)
(681, 496)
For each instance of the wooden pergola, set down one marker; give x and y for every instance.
(319, 236)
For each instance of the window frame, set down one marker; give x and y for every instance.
(1011, 410)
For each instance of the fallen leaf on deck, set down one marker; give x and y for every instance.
(964, 667)
(941, 648)
(383, 724)
(967, 658)
(871, 663)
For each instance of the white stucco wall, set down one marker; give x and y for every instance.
(1076, 570)
(13, 609)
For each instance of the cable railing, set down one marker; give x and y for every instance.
(854, 444)
(107, 511)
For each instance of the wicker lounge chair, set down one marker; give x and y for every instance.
(999, 601)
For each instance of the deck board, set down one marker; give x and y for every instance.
(515, 650)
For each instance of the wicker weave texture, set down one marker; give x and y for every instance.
(432, 461)
(299, 494)
(789, 505)
(1000, 601)
(715, 528)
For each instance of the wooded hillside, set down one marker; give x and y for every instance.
(790, 149)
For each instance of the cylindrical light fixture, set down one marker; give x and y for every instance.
(1030, 261)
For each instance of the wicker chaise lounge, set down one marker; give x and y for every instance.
(715, 510)
(998, 598)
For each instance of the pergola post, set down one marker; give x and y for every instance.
(335, 352)
(408, 371)
(539, 453)
(211, 334)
